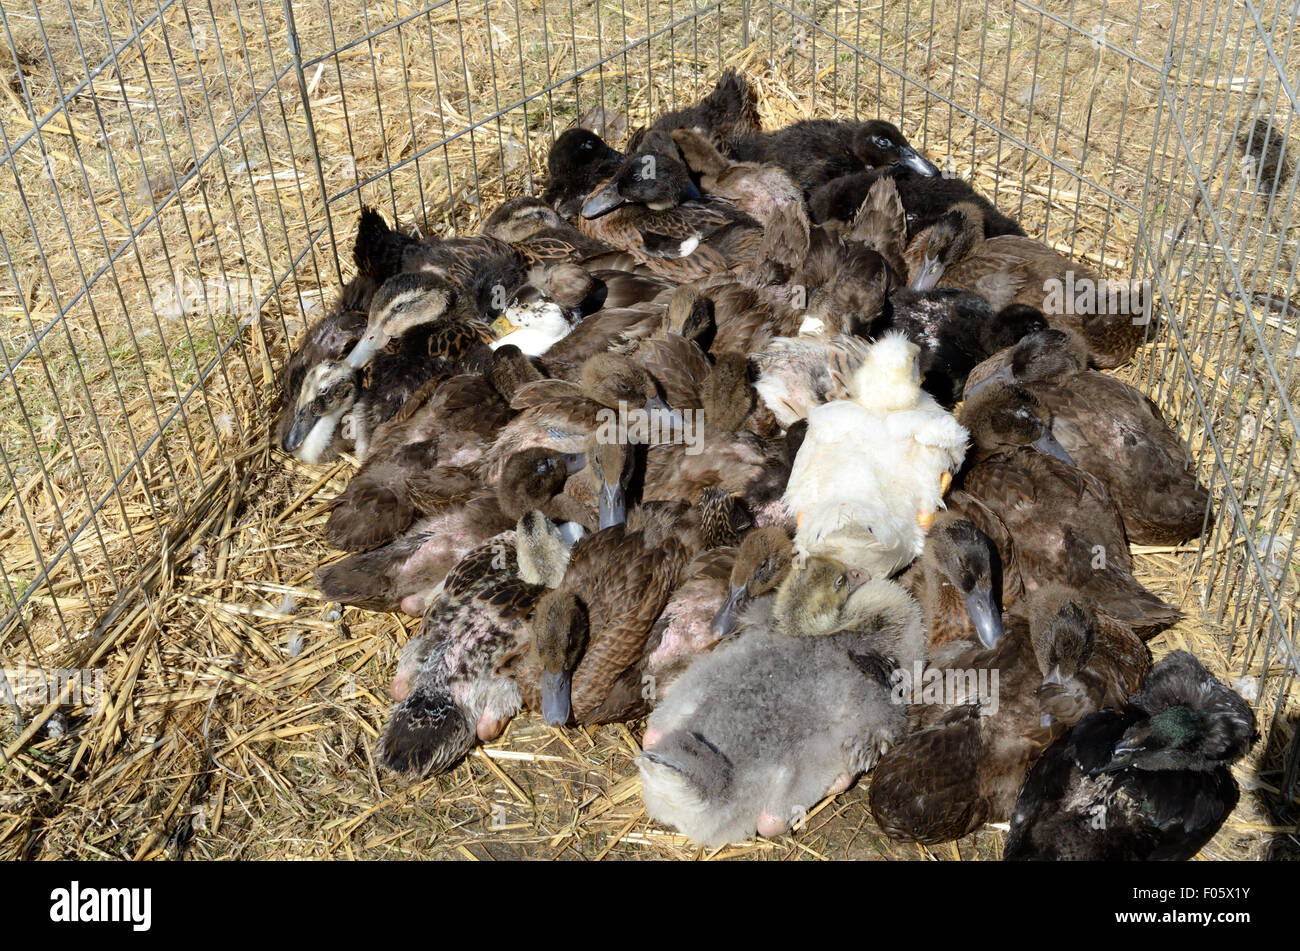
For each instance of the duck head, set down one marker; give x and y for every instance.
(762, 563)
(541, 550)
(579, 160)
(1193, 721)
(654, 176)
(404, 302)
(960, 554)
(616, 382)
(813, 598)
(1062, 629)
(520, 218)
(534, 326)
(560, 632)
(880, 144)
(612, 463)
(889, 377)
(1043, 355)
(1003, 417)
(945, 242)
(510, 369)
(1009, 325)
(329, 389)
(532, 477)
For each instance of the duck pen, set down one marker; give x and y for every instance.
(181, 187)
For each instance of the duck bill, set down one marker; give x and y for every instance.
(725, 620)
(611, 507)
(304, 421)
(1047, 444)
(927, 278)
(365, 348)
(574, 462)
(556, 697)
(984, 615)
(602, 202)
(916, 162)
(501, 327)
(1002, 374)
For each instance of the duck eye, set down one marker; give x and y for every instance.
(881, 142)
(839, 582)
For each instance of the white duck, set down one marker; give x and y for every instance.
(875, 462)
(534, 326)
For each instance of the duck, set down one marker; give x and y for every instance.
(545, 237)
(793, 377)
(317, 386)
(767, 193)
(589, 632)
(988, 720)
(405, 574)
(872, 468)
(758, 568)
(956, 330)
(1008, 269)
(962, 582)
(447, 687)
(1148, 782)
(925, 200)
(1113, 431)
(1019, 471)
(426, 456)
(420, 314)
(561, 415)
(578, 162)
(729, 109)
(815, 151)
(760, 729)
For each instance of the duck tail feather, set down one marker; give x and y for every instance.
(378, 248)
(425, 733)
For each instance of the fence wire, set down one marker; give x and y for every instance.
(180, 181)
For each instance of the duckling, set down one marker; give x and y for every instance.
(405, 573)
(653, 175)
(873, 467)
(1111, 430)
(925, 200)
(1020, 472)
(765, 192)
(962, 583)
(1150, 782)
(730, 109)
(754, 733)
(545, 237)
(425, 307)
(955, 330)
(1008, 269)
(579, 161)
(760, 565)
(317, 387)
(426, 456)
(590, 632)
(815, 151)
(560, 415)
(447, 687)
(966, 760)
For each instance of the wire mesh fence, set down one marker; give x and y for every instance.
(181, 182)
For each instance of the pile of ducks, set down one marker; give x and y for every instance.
(766, 434)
